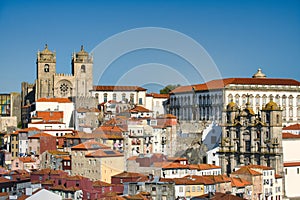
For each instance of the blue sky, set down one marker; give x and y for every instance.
(239, 35)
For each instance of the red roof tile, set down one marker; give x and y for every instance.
(289, 136)
(292, 127)
(139, 109)
(59, 100)
(118, 88)
(39, 135)
(239, 182)
(126, 174)
(222, 83)
(26, 159)
(90, 145)
(156, 95)
(247, 170)
(101, 153)
(291, 164)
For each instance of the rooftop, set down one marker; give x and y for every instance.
(117, 88)
(58, 100)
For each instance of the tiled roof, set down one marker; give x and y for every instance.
(292, 127)
(220, 196)
(58, 100)
(55, 152)
(247, 170)
(118, 88)
(126, 174)
(139, 109)
(50, 115)
(47, 122)
(26, 130)
(291, 164)
(222, 83)
(111, 136)
(218, 178)
(278, 176)
(167, 116)
(239, 182)
(156, 95)
(47, 171)
(107, 128)
(101, 184)
(192, 180)
(74, 178)
(39, 135)
(26, 159)
(174, 166)
(100, 153)
(4, 180)
(204, 166)
(289, 136)
(172, 159)
(90, 145)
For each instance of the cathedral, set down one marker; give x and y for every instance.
(251, 138)
(50, 84)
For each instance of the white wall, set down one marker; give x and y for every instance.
(292, 180)
(289, 147)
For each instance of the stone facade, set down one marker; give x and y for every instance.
(250, 138)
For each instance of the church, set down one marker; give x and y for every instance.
(51, 84)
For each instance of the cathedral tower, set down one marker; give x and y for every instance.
(46, 69)
(82, 70)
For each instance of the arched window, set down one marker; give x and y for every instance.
(230, 98)
(46, 68)
(257, 98)
(237, 99)
(277, 119)
(277, 99)
(83, 68)
(105, 97)
(97, 96)
(114, 96)
(291, 100)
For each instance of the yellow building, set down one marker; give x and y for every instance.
(96, 161)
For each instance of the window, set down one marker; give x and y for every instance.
(105, 97)
(123, 97)
(153, 189)
(193, 189)
(198, 188)
(298, 170)
(140, 101)
(285, 171)
(114, 96)
(46, 68)
(82, 68)
(180, 189)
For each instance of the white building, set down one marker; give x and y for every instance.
(155, 101)
(56, 104)
(126, 94)
(206, 101)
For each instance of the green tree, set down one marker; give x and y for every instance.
(168, 88)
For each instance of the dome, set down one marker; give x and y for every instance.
(271, 106)
(231, 106)
(259, 74)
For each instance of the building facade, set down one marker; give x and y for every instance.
(250, 138)
(206, 101)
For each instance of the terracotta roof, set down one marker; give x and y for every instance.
(222, 83)
(39, 135)
(167, 116)
(26, 159)
(292, 127)
(239, 182)
(26, 130)
(139, 109)
(84, 110)
(174, 166)
(247, 170)
(100, 153)
(289, 136)
(156, 95)
(4, 180)
(90, 145)
(47, 122)
(204, 166)
(50, 115)
(192, 180)
(172, 159)
(58, 100)
(132, 158)
(108, 128)
(117, 88)
(220, 196)
(111, 136)
(101, 184)
(291, 164)
(55, 152)
(47, 171)
(218, 178)
(67, 158)
(126, 174)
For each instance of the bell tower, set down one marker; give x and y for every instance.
(82, 70)
(46, 69)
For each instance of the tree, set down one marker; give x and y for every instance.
(168, 88)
